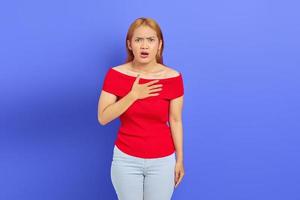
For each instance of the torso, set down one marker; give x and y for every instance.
(161, 71)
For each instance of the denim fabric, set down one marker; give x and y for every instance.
(136, 178)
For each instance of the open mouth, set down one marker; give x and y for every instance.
(144, 54)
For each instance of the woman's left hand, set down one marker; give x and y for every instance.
(179, 173)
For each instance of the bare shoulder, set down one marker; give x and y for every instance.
(170, 72)
(120, 67)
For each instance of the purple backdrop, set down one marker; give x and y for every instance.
(240, 63)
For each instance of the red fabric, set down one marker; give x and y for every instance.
(144, 131)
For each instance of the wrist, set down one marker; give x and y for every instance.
(132, 96)
(179, 157)
(179, 160)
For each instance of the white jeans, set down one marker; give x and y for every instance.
(137, 178)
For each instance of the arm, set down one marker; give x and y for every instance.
(110, 109)
(175, 119)
(176, 128)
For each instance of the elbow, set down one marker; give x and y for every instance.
(175, 121)
(102, 123)
(100, 120)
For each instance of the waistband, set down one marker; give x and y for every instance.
(119, 152)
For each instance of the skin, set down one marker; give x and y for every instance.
(145, 39)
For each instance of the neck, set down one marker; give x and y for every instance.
(144, 67)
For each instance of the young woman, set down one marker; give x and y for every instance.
(148, 98)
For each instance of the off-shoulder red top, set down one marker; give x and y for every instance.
(144, 131)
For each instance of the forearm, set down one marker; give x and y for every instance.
(116, 109)
(177, 134)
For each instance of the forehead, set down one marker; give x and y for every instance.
(144, 31)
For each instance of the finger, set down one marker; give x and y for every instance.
(137, 78)
(180, 177)
(178, 181)
(176, 176)
(155, 90)
(153, 94)
(151, 82)
(155, 86)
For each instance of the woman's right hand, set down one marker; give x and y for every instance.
(141, 91)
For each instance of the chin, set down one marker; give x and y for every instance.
(148, 60)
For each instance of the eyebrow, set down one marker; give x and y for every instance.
(147, 37)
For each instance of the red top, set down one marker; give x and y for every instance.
(144, 131)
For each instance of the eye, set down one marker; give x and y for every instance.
(151, 39)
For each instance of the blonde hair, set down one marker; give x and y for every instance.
(142, 21)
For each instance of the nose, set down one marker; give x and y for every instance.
(144, 44)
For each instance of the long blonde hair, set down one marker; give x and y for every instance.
(152, 24)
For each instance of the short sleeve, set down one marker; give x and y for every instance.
(177, 87)
(110, 83)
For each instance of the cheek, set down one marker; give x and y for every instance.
(135, 48)
(155, 47)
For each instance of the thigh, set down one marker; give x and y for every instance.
(126, 176)
(159, 180)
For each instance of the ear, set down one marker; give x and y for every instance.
(129, 45)
(160, 44)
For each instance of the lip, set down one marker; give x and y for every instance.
(144, 56)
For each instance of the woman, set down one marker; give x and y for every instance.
(148, 98)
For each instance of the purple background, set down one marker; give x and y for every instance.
(240, 63)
